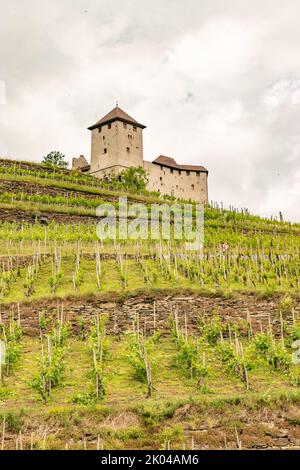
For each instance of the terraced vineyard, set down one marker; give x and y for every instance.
(142, 344)
(82, 269)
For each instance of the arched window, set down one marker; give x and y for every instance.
(105, 150)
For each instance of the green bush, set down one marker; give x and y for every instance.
(211, 329)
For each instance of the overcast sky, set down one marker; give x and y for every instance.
(216, 82)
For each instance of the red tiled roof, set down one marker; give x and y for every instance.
(171, 163)
(117, 114)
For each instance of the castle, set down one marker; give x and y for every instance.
(117, 144)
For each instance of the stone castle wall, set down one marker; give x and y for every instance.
(119, 145)
(116, 146)
(178, 183)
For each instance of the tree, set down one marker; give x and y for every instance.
(55, 158)
(132, 179)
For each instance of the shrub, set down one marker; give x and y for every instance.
(211, 330)
(132, 179)
(274, 352)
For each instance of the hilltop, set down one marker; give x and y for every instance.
(34, 188)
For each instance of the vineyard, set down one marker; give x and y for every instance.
(39, 270)
(68, 372)
(142, 344)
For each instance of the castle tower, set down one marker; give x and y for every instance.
(117, 143)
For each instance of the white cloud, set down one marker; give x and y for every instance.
(285, 91)
(2, 92)
(220, 50)
(216, 83)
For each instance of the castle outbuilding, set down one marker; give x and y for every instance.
(117, 144)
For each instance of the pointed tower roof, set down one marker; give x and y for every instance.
(116, 114)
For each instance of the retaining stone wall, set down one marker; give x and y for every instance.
(122, 315)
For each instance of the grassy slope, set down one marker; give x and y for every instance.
(213, 217)
(178, 412)
(126, 419)
(111, 281)
(82, 188)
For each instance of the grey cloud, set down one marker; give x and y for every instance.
(196, 73)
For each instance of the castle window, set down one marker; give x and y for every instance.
(179, 171)
(109, 126)
(188, 173)
(134, 128)
(193, 187)
(105, 150)
(104, 137)
(128, 149)
(160, 178)
(171, 170)
(198, 173)
(99, 129)
(124, 125)
(161, 167)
